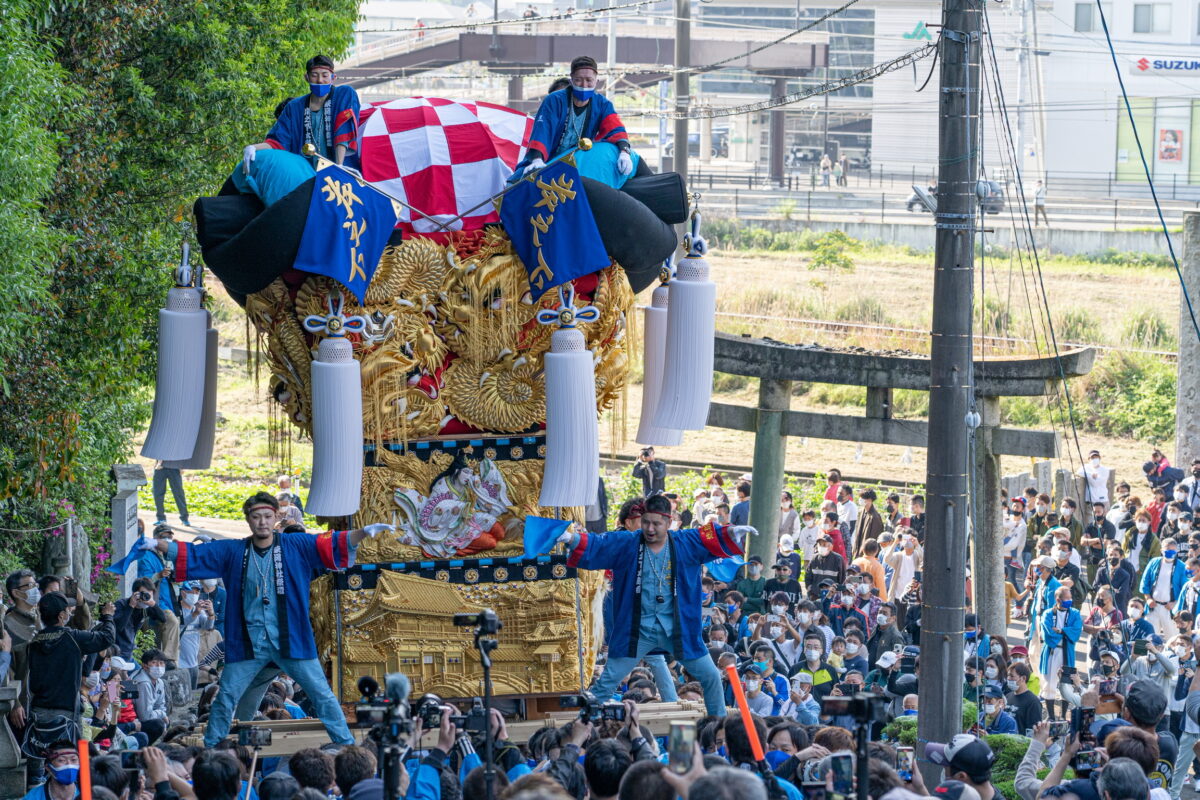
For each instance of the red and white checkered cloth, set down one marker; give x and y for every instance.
(441, 156)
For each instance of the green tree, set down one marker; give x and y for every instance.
(120, 113)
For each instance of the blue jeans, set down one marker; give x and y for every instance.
(238, 676)
(663, 678)
(702, 669)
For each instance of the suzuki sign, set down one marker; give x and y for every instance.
(1148, 65)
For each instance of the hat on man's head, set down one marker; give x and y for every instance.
(1102, 728)
(754, 560)
(119, 663)
(583, 62)
(52, 604)
(1145, 702)
(786, 542)
(887, 660)
(1047, 562)
(782, 565)
(1019, 650)
(700, 492)
(955, 790)
(964, 753)
(991, 690)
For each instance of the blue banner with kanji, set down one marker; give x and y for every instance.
(550, 223)
(349, 223)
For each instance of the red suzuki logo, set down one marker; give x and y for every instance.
(1143, 64)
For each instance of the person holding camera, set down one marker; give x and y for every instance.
(269, 575)
(140, 610)
(656, 592)
(651, 472)
(56, 659)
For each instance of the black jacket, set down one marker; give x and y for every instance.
(127, 620)
(56, 662)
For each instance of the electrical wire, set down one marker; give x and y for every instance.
(1149, 179)
(583, 16)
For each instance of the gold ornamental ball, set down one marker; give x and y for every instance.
(585, 143)
(309, 149)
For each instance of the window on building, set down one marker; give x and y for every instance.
(1151, 17)
(1087, 18)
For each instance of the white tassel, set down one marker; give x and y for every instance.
(572, 470)
(654, 344)
(337, 430)
(179, 386)
(688, 369)
(202, 453)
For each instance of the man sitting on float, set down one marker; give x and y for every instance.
(576, 112)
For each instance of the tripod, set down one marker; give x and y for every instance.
(487, 624)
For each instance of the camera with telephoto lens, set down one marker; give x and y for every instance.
(429, 710)
(593, 710)
(251, 736)
(486, 621)
(864, 707)
(386, 713)
(142, 595)
(474, 721)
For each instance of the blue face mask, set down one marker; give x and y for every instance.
(722, 752)
(65, 775)
(320, 89)
(909, 712)
(705, 597)
(582, 94)
(970, 635)
(1169, 553)
(763, 665)
(730, 607)
(1067, 603)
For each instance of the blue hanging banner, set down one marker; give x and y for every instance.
(550, 223)
(349, 223)
(725, 570)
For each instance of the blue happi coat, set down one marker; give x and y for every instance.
(620, 551)
(300, 557)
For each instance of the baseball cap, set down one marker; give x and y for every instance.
(1102, 728)
(991, 690)
(700, 492)
(782, 565)
(1019, 650)
(754, 560)
(120, 663)
(964, 753)
(887, 659)
(955, 790)
(1047, 562)
(786, 542)
(912, 650)
(52, 603)
(803, 677)
(1145, 702)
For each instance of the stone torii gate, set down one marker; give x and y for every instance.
(778, 365)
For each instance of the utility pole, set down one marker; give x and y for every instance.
(1023, 78)
(683, 60)
(611, 54)
(950, 383)
(494, 48)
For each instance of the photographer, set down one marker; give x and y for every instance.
(651, 472)
(140, 610)
(56, 659)
(81, 614)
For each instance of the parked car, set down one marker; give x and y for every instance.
(719, 148)
(990, 193)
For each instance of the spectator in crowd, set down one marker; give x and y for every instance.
(164, 476)
(651, 472)
(868, 522)
(740, 513)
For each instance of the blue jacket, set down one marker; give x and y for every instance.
(620, 552)
(149, 564)
(1003, 723)
(303, 556)
(1072, 630)
(1150, 577)
(602, 124)
(740, 513)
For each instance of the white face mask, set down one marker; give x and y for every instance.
(92, 680)
(823, 549)
(804, 618)
(1180, 651)
(862, 588)
(1135, 613)
(1018, 659)
(847, 599)
(991, 673)
(778, 609)
(156, 671)
(1172, 515)
(776, 631)
(33, 595)
(851, 649)
(882, 619)
(1181, 496)
(752, 686)
(1095, 463)
(812, 654)
(1041, 509)
(208, 585)
(989, 708)
(1143, 526)
(191, 597)
(1065, 512)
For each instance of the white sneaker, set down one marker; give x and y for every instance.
(1196, 784)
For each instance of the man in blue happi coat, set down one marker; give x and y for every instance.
(267, 576)
(326, 117)
(656, 592)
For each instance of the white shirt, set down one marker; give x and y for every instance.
(1162, 586)
(847, 512)
(1097, 481)
(1135, 555)
(903, 576)
(1014, 539)
(806, 541)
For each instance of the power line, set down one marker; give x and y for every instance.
(584, 16)
(862, 76)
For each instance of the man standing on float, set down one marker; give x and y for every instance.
(572, 113)
(267, 576)
(656, 592)
(326, 117)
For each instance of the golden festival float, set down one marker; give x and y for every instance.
(443, 389)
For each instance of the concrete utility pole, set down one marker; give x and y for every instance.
(683, 59)
(770, 449)
(950, 384)
(1187, 396)
(1023, 78)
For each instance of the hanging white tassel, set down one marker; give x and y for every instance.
(202, 453)
(654, 344)
(572, 469)
(688, 368)
(179, 386)
(337, 429)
